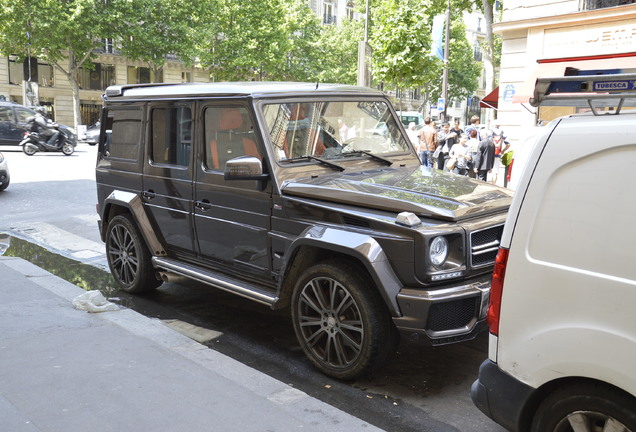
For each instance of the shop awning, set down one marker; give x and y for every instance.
(550, 68)
(491, 100)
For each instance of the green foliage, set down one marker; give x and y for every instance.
(338, 52)
(401, 40)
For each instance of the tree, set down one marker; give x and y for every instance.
(63, 33)
(163, 28)
(401, 39)
(338, 52)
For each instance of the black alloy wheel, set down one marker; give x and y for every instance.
(341, 322)
(128, 256)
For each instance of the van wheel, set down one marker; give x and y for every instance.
(584, 406)
(341, 322)
(129, 257)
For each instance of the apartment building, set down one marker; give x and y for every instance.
(541, 38)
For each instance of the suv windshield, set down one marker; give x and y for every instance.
(332, 129)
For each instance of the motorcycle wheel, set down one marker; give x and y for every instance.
(68, 149)
(29, 149)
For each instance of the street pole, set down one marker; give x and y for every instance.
(445, 73)
(363, 53)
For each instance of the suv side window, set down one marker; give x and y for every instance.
(171, 135)
(6, 115)
(126, 133)
(229, 133)
(23, 114)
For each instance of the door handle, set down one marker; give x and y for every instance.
(149, 194)
(203, 205)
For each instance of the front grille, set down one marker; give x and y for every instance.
(484, 245)
(452, 315)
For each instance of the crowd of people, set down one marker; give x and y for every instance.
(474, 151)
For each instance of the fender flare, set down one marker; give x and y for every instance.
(134, 204)
(363, 248)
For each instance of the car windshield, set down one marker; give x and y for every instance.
(332, 130)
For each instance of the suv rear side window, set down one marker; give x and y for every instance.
(229, 133)
(125, 138)
(171, 135)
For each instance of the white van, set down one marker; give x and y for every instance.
(562, 347)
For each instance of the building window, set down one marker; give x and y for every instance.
(328, 14)
(143, 75)
(477, 51)
(40, 72)
(98, 78)
(109, 45)
(350, 10)
(186, 77)
(601, 4)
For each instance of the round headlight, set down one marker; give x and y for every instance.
(438, 251)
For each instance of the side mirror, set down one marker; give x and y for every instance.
(245, 168)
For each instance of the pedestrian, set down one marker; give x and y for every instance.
(484, 159)
(414, 136)
(428, 143)
(501, 146)
(458, 130)
(445, 140)
(460, 153)
(473, 146)
(474, 124)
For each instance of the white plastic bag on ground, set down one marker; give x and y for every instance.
(93, 301)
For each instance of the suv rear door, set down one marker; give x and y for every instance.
(232, 217)
(167, 179)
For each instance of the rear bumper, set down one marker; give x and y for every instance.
(445, 315)
(500, 396)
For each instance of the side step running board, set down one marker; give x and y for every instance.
(235, 286)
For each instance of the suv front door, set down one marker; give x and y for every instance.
(232, 217)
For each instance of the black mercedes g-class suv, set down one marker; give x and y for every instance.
(307, 196)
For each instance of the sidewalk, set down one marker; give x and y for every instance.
(65, 370)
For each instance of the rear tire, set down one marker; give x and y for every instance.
(128, 256)
(29, 149)
(341, 322)
(590, 406)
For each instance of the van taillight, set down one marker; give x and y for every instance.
(496, 291)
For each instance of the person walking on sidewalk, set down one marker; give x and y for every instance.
(445, 140)
(428, 143)
(484, 159)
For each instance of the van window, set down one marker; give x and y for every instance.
(229, 133)
(126, 133)
(171, 135)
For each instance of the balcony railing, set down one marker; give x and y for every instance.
(601, 4)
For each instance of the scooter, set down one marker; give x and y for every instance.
(33, 143)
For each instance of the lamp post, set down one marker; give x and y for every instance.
(445, 73)
(364, 75)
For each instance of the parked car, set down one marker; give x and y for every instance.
(91, 136)
(13, 123)
(562, 326)
(4, 173)
(250, 187)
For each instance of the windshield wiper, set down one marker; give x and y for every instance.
(368, 153)
(322, 161)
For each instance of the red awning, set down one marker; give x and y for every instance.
(491, 100)
(551, 68)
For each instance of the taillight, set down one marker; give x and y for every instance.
(496, 291)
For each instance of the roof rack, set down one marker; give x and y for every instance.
(594, 89)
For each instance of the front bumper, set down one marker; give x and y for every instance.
(500, 396)
(445, 315)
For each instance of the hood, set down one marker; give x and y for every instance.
(430, 194)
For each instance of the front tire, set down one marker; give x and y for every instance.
(593, 407)
(68, 149)
(128, 256)
(341, 322)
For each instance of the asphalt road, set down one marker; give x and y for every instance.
(51, 203)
